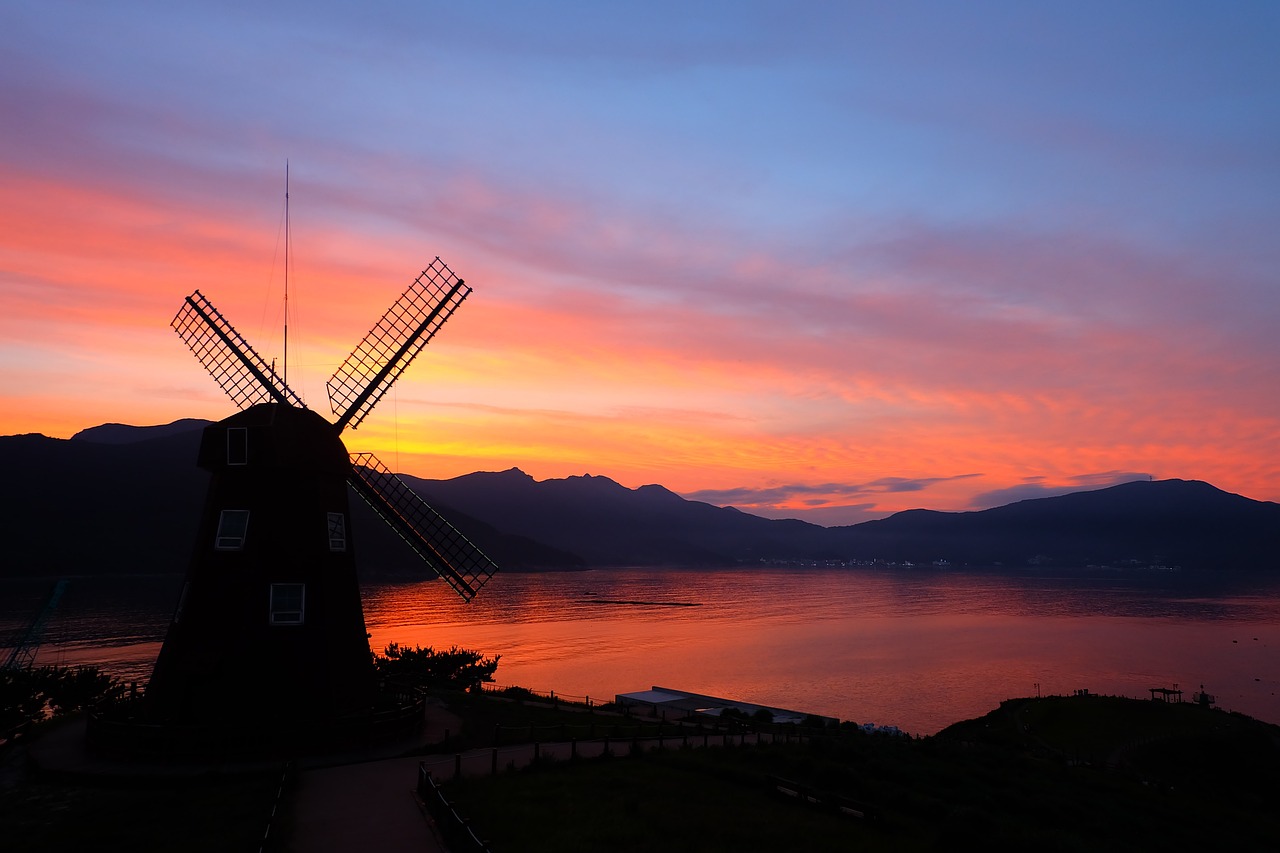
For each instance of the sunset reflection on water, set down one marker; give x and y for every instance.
(917, 649)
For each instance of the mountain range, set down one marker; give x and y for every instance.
(124, 499)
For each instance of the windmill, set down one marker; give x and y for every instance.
(269, 627)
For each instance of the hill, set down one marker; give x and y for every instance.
(118, 499)
(1167, 522)
(127, 500)
(1163, 522)
(609, 524)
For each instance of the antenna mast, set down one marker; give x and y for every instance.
(287, 247)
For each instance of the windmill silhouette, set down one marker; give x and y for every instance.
(270, 627)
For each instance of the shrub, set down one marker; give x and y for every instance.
(30, 695)
(454, 669)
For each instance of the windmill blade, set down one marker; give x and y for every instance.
(227, 356)
(450, 554)
(358, 385)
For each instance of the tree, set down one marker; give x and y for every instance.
(454, 669)
(76, 688)
(28, 696)
(21, 701)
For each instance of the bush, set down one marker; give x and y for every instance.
(454, 669)
(30, 695)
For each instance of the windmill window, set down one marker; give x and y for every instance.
(337, 532)
(288, 603)
(233, 524)
(237, 446)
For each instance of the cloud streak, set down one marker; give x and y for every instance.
(821, 499)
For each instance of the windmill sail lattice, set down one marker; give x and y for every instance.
(232, 363)
(354, 390)
(358, 385)
(437, 542)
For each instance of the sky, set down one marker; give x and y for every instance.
(820, 260)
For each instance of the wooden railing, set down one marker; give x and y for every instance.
(456, 832)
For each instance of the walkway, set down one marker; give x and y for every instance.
(364, 802)
(338, 803)
(371, 805)
(355, 807)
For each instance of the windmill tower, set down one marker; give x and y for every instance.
(269, 630)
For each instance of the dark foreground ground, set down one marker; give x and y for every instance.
(1060, 773)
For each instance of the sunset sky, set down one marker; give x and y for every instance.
(825, 260)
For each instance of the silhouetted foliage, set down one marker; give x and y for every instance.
(20, 700)
(454, 669)
(31, 695)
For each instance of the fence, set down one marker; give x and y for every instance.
(479, 762)
(620, 728)
(519, 693)
(457, 834)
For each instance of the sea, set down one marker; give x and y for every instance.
(918, 648)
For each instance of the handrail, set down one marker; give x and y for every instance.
(459, 837)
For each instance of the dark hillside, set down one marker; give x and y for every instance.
(80, 507)
(126, 499)
(609, 524)
(1173, 522)
(126, 434)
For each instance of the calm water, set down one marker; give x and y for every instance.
(917, 649)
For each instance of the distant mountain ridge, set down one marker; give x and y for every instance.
(117, 498)
(609, 524)
(1167, 522)
(126, 434)
(122, 499)
(1163, 522)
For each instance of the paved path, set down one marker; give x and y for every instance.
(360, 807)
(338, 803)
(371, 805)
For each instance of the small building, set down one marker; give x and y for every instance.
(666, 702)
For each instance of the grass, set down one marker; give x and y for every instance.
(1181, 773)
(214, 815)
(56, 810)
(675, 800)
